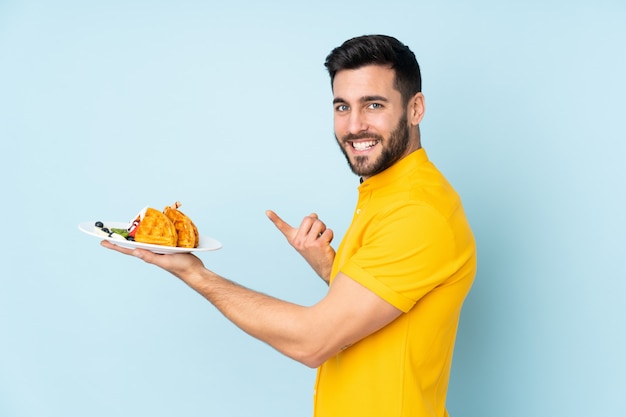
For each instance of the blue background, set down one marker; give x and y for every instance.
(106, 107)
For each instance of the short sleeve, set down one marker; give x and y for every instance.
(405, 253)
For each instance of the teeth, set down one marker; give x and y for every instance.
(361, 146)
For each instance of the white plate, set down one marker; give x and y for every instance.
(206, 243)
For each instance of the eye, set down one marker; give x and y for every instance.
(374, 106)
(342, 108)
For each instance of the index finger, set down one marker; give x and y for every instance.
(139, 253)
(284, 227)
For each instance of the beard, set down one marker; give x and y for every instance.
(393, 149)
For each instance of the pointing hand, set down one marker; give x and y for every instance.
(311, 239)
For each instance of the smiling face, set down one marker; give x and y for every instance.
(373, 127)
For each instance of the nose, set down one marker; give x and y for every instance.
(356, 123)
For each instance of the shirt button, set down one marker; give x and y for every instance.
(358, 211)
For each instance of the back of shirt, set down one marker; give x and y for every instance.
(409, 243)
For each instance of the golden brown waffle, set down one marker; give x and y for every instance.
(157, 229)
(185, 228)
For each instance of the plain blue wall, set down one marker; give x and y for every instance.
(107, 107)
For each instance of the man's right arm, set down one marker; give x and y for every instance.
(310, 335)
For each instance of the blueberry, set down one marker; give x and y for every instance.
(132, 239)
(99, 224)
(105, 230)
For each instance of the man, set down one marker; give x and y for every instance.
(383, 335)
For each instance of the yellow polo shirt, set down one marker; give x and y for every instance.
(411, 244)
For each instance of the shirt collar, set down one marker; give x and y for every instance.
(396, 172)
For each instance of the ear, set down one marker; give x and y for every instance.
(416, 108)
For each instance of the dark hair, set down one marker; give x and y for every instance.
(378, 50)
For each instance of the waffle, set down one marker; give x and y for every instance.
(187, 231)
(156, 228)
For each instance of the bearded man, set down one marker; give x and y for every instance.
(382, 337)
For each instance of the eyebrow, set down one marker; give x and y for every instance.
(363, 99)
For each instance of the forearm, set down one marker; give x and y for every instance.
(311, 335)
(324, 274)
(287, 327)
(321, 266)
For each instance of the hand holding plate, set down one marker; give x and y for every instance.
(185, 266)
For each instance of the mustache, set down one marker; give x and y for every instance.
(364, 135)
